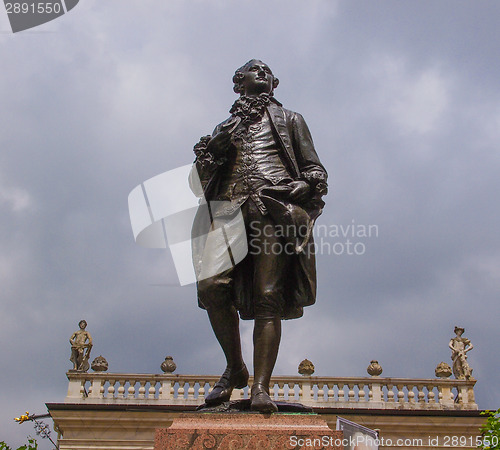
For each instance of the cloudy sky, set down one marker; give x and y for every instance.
(403, 101)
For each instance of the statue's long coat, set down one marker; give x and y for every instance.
(299, 156)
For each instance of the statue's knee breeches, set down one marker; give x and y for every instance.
(269, 303)
(215, 292)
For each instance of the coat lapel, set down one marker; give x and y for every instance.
(278, 120)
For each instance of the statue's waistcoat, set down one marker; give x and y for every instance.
(254, 164)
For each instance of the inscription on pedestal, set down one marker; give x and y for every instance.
(248, 431)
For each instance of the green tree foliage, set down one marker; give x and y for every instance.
(31, 445)
(491, 431)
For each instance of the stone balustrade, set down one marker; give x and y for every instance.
(317, 392)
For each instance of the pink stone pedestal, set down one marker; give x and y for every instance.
(228, 431)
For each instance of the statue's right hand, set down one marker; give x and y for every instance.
(219, 143)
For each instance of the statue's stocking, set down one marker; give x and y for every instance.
(266, 339)
(225, 323)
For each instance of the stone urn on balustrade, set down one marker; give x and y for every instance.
(168, 366)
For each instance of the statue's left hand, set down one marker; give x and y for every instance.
(300, 190)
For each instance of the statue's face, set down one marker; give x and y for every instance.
(258, 78)
(82, 324)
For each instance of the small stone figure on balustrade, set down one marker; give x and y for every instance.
(81, 344)
(459, 347)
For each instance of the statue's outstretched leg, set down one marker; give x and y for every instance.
(215, 295)
(225, 323)
(266, 338)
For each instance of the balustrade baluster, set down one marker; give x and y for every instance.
(152, 390)
(390, 393)
(362, 393)
(351, 396)
(341, 393)
(111, 389)
(190, 395)
(131, 389)
(331, 392)
(121, 389)
(142, 390)
(411, 394)
(401, 393)
(431, 400)
(201, 391)
(281, 391)
(421, 394)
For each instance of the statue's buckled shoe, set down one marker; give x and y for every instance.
(224, 387)
(261, 401)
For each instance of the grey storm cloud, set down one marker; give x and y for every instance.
(402, 99)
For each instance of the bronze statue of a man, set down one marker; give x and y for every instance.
(261, 162)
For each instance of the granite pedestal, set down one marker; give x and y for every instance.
(238, 431)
